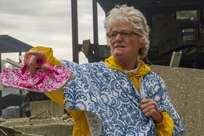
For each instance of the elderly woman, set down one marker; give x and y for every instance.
(120, 96)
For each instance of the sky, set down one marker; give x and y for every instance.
(48, 23)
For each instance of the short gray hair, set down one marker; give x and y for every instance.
(136, 18)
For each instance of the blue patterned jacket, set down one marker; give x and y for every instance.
(112, 97)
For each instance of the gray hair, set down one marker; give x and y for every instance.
(136, 18)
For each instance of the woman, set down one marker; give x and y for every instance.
(120, 96)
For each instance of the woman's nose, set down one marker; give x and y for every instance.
(118, 37)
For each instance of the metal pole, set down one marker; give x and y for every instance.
(95, 22)
(0, 91)
(75, 46)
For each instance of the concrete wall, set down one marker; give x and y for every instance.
(50, 126)
(186, 88)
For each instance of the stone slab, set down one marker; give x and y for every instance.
(45, 126)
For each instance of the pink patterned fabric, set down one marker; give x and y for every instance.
(43, 81)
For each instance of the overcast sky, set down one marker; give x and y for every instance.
(48, 23)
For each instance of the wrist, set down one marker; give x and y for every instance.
(159, 118)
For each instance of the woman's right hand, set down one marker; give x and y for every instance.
(31, 58)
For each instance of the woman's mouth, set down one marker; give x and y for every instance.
(119, 46)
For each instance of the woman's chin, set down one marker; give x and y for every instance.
(118, 53)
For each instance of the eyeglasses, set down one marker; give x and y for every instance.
(124, 34)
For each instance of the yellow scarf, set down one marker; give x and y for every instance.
(134, 76)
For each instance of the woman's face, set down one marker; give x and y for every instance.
(123, 42)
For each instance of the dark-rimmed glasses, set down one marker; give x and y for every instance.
(124, 34)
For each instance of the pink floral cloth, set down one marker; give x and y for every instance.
(42, 81)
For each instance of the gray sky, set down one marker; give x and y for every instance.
(48, 23)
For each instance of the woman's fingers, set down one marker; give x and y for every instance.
(146, 103)
(37, 54)
(149, 108)
(26, 59)
(30, 59)
(32, 64)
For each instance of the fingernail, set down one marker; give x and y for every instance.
(36, 67)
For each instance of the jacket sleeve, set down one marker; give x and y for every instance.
(81, 125)
(165, 128)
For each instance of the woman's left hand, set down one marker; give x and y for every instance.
(30, 60)
(149, 108)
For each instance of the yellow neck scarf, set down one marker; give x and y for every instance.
(134, 76)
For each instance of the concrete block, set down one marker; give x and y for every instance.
(38, 107)
(11, 112)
